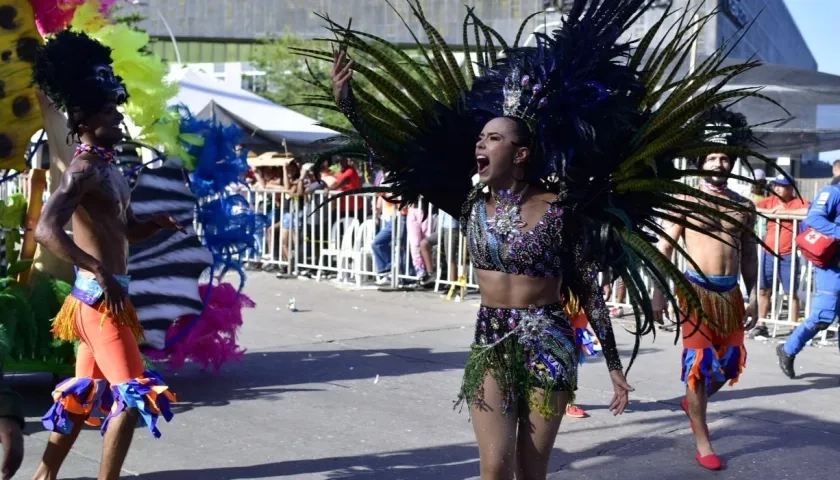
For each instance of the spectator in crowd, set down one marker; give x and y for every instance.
(419, 226)
(823, 217)
(324, 176)
(347, 179)
(309, 233)
(758, 192)
(385, 213)
(251, 177)
(11, 429)
(311, 180)
(450, 239)
(291, 208)
(620, 295)
(268, 179)
(784, 202)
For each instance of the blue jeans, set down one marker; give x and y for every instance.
(382, 247)
(824, 310)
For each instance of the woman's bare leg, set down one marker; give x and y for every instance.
(536, 439)
(495, 432)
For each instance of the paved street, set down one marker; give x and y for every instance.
(360, 385)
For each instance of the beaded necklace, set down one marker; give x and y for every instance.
(104, 153)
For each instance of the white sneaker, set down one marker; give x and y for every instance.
(383, 279)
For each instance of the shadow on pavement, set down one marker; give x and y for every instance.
(751, 449)
(271, 374)
(268, 375)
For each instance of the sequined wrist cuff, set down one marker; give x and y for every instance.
(614, 364)
(346, 107)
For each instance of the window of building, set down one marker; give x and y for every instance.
(255, 82)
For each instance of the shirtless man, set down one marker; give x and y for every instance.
(111, 381)
(715, 354)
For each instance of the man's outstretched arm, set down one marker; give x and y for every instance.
(139, 231)
(79, 178)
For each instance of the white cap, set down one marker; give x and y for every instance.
(759, 174)
(307, 167)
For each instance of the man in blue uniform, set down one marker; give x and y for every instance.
(822, 217)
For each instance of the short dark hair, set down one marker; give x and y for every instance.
(836, 164)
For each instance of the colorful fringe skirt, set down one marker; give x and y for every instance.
(110, 372)
(93, 400)
(528, 352)
(713, 352)
(587, 344)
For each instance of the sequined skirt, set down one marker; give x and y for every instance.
(527, 351)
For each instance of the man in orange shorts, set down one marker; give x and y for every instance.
(713, 346)
(585, 343)
(111, 388)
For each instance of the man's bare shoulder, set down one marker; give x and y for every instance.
(81, 173)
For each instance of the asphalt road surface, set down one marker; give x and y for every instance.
(361, 384)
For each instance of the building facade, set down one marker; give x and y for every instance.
(226, 32)
(221, 37)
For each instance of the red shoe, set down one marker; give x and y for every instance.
(709, 462)
(575, 412)
(684, 405)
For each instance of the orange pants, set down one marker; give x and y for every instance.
(107, 350)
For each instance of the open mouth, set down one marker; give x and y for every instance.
(482, 162)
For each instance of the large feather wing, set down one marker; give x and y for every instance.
(635, 182)
(414, 118)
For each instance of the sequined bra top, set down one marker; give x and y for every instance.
(498, 244)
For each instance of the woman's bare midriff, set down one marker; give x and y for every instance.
(504, 290)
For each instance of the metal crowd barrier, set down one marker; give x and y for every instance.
(775, 321)
(338, 242)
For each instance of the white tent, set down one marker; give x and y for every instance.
(206, 97)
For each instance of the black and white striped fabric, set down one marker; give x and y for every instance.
(165, 269)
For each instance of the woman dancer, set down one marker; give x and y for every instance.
(572, 161)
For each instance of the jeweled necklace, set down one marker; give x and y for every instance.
(712, 187)
(507, 222)
(104, 153)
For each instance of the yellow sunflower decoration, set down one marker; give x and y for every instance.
(20, 115)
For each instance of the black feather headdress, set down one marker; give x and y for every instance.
(74, 71)
(610, 118)
(725, 127)
(574, 88)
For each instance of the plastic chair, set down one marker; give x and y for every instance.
(337, 242)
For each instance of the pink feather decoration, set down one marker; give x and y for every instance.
(54, 15)
(212, 340)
